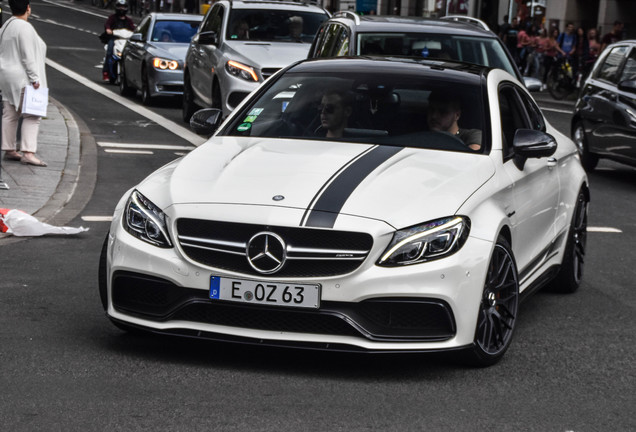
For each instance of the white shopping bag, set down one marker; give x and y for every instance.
(35, 101)
(19, 223)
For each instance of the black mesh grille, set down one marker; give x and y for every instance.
(378, 319)
(295, 237)
(268, 72)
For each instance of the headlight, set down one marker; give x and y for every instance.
(163, 64)
(426, 242)
(240, 70)
(146, 221)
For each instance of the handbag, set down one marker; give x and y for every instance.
(104, 37)
(35, 101)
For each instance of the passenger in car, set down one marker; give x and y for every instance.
(335, 109)
(444, 111)
(241, 31)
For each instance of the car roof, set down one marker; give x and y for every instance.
(159, 16)
(273, 4)
(386, 64)
(395, 24)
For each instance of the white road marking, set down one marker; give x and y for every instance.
(143, 146)
(603, 230)
(97, 218)
(144, 152)
(75, 9)
(173, 127)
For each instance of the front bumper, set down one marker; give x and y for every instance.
(425, 307)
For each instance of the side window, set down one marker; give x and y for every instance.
(513, 117)
(214, 21)
(143, 28)
(629, 71)
(537, 121)
(329, 41)
(611, 64)
(342, 47)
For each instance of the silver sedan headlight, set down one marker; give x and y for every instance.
(426, 242)
(146, 221)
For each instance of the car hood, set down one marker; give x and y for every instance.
(401, 186)
(171, 50)
(267, 54)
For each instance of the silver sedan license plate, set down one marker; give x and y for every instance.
(266, 293)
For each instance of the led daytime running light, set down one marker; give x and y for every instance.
(448, 225)
(249, 70)
(164, 64)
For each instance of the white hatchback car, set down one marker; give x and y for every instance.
(355, 204)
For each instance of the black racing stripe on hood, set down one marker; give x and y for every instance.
(331, 199)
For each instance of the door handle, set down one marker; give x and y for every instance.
(552, 162)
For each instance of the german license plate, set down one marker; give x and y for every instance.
(266, 293)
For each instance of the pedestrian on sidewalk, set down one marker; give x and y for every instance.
(22, 55)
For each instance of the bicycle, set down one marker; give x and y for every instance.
(561, 80)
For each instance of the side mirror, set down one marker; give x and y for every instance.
(532, 84)
(627, 86)
(530, 143)
(136, 37)
(208, 38)
(206, 121)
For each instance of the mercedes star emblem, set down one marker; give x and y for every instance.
(266, 252)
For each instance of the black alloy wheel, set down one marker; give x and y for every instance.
(216, 96)
(102, 274)
(146, 97)
(188, 106)
(570, 275)
(498, 308)
(588, 160)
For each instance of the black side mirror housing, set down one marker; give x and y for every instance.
(530, 143)
(206, 121)
(627, 86)
(208, 38)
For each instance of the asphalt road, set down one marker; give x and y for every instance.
(64, 367)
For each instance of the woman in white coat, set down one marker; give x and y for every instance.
(22, 55)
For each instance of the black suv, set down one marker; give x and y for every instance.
(604, 121)
(465, 39)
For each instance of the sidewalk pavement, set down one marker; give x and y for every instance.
(57, 193)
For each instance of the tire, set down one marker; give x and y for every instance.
(112, 72)
(557, 84)
(497, 309)
(146, 96)
(569, 277)
(217, 97)
(588, 160)
(103, 274)
(188, 107)
(124, 88)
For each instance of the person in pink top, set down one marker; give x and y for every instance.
(594, 43)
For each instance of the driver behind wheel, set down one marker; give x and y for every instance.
(444, 111)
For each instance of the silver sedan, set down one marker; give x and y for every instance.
(153, 58)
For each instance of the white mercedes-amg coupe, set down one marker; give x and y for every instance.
(355, 204)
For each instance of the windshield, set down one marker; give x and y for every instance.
(411, 110)
(273, 25)
(174, 31)
(476, 50)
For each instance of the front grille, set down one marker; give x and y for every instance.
(310, 252)
(268, 72)
(385, 319)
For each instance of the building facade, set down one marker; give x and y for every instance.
(585, 13)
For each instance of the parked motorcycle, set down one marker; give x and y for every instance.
(113, 64)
